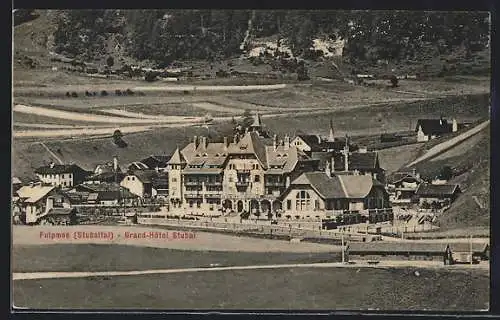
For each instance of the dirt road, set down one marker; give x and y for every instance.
(442, 147)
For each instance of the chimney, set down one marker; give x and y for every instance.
(204, 142)
(331, 136)
(52, 164)
(332, 163)
(226, 143)
(235, 138)
(454, 126)
(195, 141)
(328, 169)
(287, 142)
(275, 142)
(287, 181)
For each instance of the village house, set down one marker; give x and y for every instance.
(136, 166)
(160, 186)
(437, 196)
(361, 162)
(107, 194)
(64, 176)
(314, 143)
(328, 195)
(428, 129)
(35, 201)
(106, 173)
(402, 187)
(140, 182)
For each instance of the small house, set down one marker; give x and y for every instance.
(428, 129)
(156, 162)
(403, 187)
(437, 194)
(62, 175)
(140, 182)
(35, 200)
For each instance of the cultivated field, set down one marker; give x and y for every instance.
(279, 289)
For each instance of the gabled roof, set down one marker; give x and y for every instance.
(61, 211)
(16, 180)
(466, 247)
(59, 169)
(401, 176)
(154, 161)
(434, 126)
(251, 143)
(106, 177)
(33, 194)
(357, 160)
(337, 186)
(177, 158)
(426, 189)
(136, 165)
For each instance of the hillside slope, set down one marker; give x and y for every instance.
(470, 161)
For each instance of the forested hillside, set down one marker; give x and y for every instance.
(164, 36)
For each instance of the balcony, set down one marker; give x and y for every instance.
(192, 183)
(193, 194)
(213, 183)
(213, 194)
(275, 184)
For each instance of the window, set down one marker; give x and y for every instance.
(289, 204)
(316, 205)
(174, 179)
(133, 178)
(230, 179)
(198, 204)
(257, 178)
(62, 176)
(190, 204)
(128, 178)
(302, 201)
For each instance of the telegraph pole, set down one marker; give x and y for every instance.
(343, 254)
(470, 245)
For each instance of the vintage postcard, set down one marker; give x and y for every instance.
(251, 160)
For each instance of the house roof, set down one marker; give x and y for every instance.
(357, 160)
(61, 211)
(402, 176)
(251, 143)
(106, 177)
(177, 158)
(106, 167)
(59, 168)
(434, 126)
(426, 189)
(337, 186)
(154, 161)
(466, 247)
(33, 194)
(397, 247)
(137, 165)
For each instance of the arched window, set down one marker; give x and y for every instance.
(303, 201)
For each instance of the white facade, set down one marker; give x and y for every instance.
(64, 180)
(301, 144)
(133, 184)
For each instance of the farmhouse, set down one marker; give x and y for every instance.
(360, 162)
(140, 182)
(428, 129)
(35, 200)
(402, 187)
(65, 176)
(326, 195)
(109, 194)
(442, 194)
(315, 143)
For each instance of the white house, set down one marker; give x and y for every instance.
(36, 200)
(428, 129)
(140, 182)
(64, 175)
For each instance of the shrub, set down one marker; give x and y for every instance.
(68, 94)
(74, 94)
(129, 92)
(118, 92)
(104, 93)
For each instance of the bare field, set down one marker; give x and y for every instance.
(279, 289)
(392, 159)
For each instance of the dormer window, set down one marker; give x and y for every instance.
(205, 155)
(197, 155)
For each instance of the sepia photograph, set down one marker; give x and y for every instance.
(250, 160)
